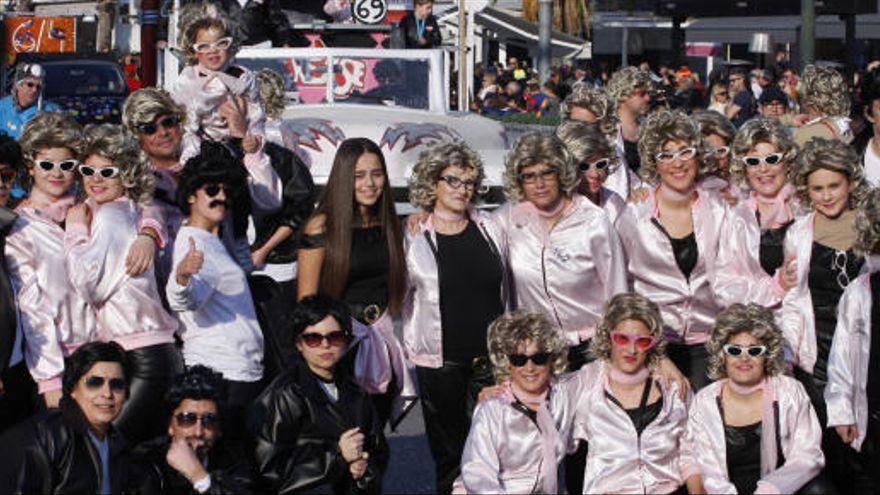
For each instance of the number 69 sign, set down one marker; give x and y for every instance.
(370, 11)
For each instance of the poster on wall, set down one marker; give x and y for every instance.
(38, 35)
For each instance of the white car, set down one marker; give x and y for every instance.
(397, 98)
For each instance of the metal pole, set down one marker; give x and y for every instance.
(808, 32)
(624, 47)
(850, 62)
(462, 58)
(545, 22)
(149, 19)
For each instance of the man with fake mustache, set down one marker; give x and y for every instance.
(208, 289)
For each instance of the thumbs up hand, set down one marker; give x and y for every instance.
(190, 265)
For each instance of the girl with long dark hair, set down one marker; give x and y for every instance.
(352, 248)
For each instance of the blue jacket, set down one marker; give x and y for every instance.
(12, 118)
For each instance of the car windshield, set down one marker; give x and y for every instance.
(73, 79)
(384, 80)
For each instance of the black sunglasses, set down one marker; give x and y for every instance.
(7, 175)
(335, 339)
(540, 359)
(189, 419)
(96, 382)
(212, 190)
(150, 128)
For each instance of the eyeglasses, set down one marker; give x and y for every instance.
(209, 46)
(520, 360)
(8, 175)
(532, 177)
(95, 382)
(456, 183)
(669, 156)
(754, 351)
(150, 128)
(724, 94)
(335, 339)
(721, 151)
(30, 84)
(600, 164)
(641, 93)
(212, 190)
(64, 165)
(105, 172)
(189, 419)
(838, 264)
(642, 342)
(754, 161)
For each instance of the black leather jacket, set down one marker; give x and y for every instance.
(52, 453)
(411, 32)
(230, 473)
(7, 297)
(297, 428)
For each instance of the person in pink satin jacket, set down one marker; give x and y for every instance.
(54, 318)
(518, 437)
(635, 426)
(852, 395)
(117, 181)
(671, 238)
(754, 429)
(752, 267)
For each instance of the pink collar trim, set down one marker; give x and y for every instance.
(54, 209)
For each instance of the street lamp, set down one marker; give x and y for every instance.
(545, 21)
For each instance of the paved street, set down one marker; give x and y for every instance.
(411, 468)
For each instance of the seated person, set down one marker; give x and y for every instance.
(51, 453)
(192, 457)
(315, 429)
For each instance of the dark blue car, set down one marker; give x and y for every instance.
(92, 91)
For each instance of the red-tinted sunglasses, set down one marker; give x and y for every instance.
(643, 342)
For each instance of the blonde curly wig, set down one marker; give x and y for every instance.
(629, 306)
(50, 130)
(432, 162)
(868, 224)
(713, 123)
(757, 321)
(833, 155)
(664, 126)
(753, 132)
(120, 147)
(625, 81)
(824, 91)
(271, 92)
(511, 329)
(586, 142)
(597, 101)
(533, 149)
(146, 104)
(196, 17)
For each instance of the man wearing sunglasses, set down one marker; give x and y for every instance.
(192, 458)
(24, 101)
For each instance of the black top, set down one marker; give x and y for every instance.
(645, 413)
(827, 280)
(368, 267)
(685, 250)
(410, 27)
(631, 153)
(771, 253)
(873, 385)
(744, 456)
(470, 292)
(231, 474)
(746, 103)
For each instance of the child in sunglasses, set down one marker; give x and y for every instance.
(853, 389)
(222, 101)
(117, 180)
(754, 429)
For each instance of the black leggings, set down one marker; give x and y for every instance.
(151, 371)
(449, 395)
(692, 361)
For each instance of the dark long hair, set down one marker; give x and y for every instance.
(340, 212)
